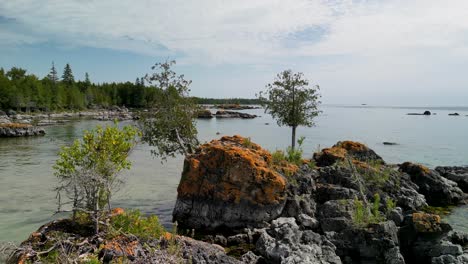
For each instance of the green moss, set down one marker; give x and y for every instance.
(442, 211)
(238, 250)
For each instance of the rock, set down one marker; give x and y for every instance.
(250, 258)
(437, 190)
(307, 221)
(284, 242)
(4, 119)
(390, 143)
(232, 114)
(427, 112)
(454, 114)
(449, 259)
(396, 215)
(456, 174)
(336, 215)
(227, 183)
(235, 107)
(341, 150)
(204, 114)
(20, 130)
(11, 112)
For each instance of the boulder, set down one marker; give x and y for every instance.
(437, 190)
(427, 112)
(454, 114)
(229, 183)
(284, 242)
(205, 113)
(456, 174)
(20, 130)
(233, 114)
(346, 149)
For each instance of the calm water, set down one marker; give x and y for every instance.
(26, 178)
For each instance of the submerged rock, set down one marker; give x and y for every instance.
(229, 183)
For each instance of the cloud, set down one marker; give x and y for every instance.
(245, 31)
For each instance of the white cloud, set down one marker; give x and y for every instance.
(245, 30)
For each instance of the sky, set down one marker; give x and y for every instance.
(380, 52)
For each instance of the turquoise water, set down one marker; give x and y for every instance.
(27, 199)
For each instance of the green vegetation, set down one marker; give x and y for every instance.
(442, 211)
(247, 142)
(27, 92)
(88, 170)
(365, 214)
(132, 222)
(170, 127)
(291, 155)
(291, 102)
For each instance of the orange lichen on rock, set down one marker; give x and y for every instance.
(229, 170)
(122, 246)
(117, 211)
(15, 125)
(329, 156)
(414, 169)
(352, 146)
(426, 223)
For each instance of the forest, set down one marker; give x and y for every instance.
(22, 91)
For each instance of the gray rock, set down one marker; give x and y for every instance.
(307, 221)
(456, 174)
(285, 243)
(396, 215)
(250, 258)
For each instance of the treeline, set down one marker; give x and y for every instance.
(218, 101)
(27, 92)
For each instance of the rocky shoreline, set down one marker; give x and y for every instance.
(345, 205)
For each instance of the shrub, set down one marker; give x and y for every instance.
(132, 222)
(247, 142)
(365, 214)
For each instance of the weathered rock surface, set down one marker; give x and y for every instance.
(20, 130)
(205, 113)
(284, 242)
(457, 174)
(437, 190)
(229, 183)
(232, 114)
(354, 150)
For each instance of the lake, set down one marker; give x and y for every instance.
(27, 199)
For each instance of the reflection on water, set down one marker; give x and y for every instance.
(27, 199)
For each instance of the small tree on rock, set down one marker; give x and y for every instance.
(88, 170)
(291, 102)
(170, 125)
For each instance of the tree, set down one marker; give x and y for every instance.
(67, 77)
(87, 80)
(289, 100)
(170, 126)
(88, 170)
(52, 76)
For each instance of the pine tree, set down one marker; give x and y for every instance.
(67, 77)
(87, 80)
(53, 74)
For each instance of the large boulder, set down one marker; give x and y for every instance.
(457, 174)
(229, 183)
(284, 242)
(438, 190)
(346, 149)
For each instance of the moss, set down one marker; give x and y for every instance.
(238, 250)
(442, 211)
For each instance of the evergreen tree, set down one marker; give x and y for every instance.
(67, 77)
(87, 80)
(53, 74)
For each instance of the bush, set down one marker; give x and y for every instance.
(132, 222)
(364, 215)
(293, 156)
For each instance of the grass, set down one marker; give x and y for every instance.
(132, 222)
(364, 215)
(293, 156)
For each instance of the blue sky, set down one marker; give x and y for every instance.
(376, 52)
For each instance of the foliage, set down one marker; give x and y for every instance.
(170, 127)
(438, 210)
(289, 100)
(365, 214)
(88, 169)
(390, 204)
(132, 222)
(67, 78)
(26, 92)
(247, 142)
(291, 155)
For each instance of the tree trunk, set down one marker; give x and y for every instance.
(293, 142)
